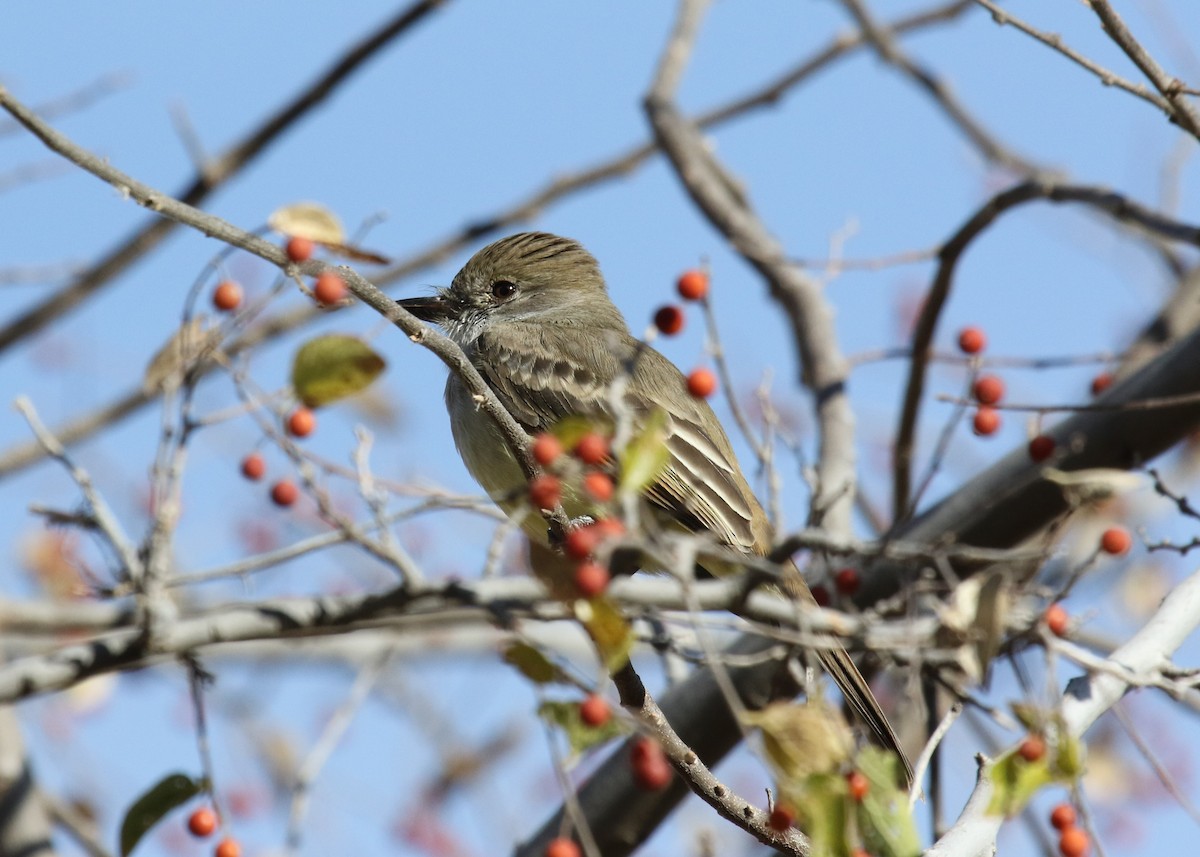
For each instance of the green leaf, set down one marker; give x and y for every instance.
(646, 455)
(171, 791)
(582, 737)
(885, 820)
(608, 629)
(531, 663)
(333, 367)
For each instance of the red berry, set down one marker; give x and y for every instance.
(329, 289)
(302, 422)
(545, 449)
(971, 340)
(1041, 447)
(228, 847)
(299, 249)
(545, 491)
(1063, 816)
(858, 785)
(592, 449)
(701, 383)
(254, 467)
(1057, 619)
(1102, 382)
(1116, 541)
(693, 285)
(227, 296)
(594, 711)
(847, 580)
(669, 320)
(202, 822)
(608, 528)
(987, 421)
(591, 579)
(988, 389)
(284, 492)
(821, 595)
(651, 770)
(781, 818)
(1073, 843)
(582, 541)
(1032, 748)
(599, 485)
(562, 847)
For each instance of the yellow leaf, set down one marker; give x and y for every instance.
(332, 367)
(308, 220)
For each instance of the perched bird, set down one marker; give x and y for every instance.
(533, 315)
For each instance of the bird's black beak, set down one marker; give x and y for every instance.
(434, 309)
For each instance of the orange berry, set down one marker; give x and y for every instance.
(1032, 748)
(228, 847)
(562, 847)
(608, 528)
(1057, 619)
(701, 383)
(227, 296)
(1041, 447)
(592, 449)
(582, 541)
(594, 711)
(254, 467)
(692, 285)
(591, 579)
(669, 320)
(545, 449)
(545, 491)
(1116, 541)
(781, 818)
(971, 340)
(858, 785)
(202, 822)
(299, 249)
(302, 422)
(599, 485)
(284, 492)
(651, 770)
(1102, 382)
(988, 389)
(847, 580)
(1073, 843)
(1062, 816)
(329, 289)
(987, 421)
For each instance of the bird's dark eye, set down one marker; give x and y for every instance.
(502, 289)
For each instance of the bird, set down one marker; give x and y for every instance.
(533, 315)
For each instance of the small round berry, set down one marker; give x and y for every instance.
(329, 288)
(599, 485)
(202, 822)
(562, 847)
(594, 711)
(986, 421)
(988, 389)
(1116, 541)
(859, 851)
(1102, 382)
(858, 785)
(781, 818)
(581, 542)
(546, 449)
(545, 491)
(592, 449)
(227, 296)
(1073, 843)
(847, 580)
(651, 770)
(254, 467)
(1057, 619)
(701, 383)
(302, 422)
(821, 595)
(1063, 816)
(284, 493)
(1032, 748)
(228, 847)
(1041, 447)
(591, 579)
(299, 249)
(608, 528)
(669, 320)
(693, 285)
(971, 340)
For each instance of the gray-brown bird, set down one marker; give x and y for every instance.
(532, 313)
